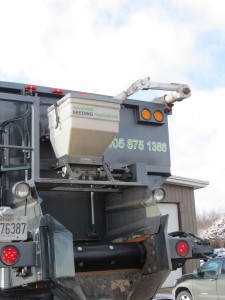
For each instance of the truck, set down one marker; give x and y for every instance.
(81, 175)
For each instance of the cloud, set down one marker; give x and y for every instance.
(104, 46)
(87, 45)
(197, 146)
(208, 15)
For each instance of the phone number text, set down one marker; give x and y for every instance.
(136, 144)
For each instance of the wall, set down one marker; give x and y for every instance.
(183, 196)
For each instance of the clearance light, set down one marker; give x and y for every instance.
(158, 194)
(83, 93)
(57, 91)
(30, 87)
(9, 255)
(21, 190)
(146, 114)
(158, 115)
(182, 248)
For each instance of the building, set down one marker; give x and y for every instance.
(179, 203)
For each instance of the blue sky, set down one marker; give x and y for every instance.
(102, 46)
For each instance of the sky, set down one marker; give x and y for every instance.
(102, 46)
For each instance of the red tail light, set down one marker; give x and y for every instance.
(30, 87)
(9, 255)
(57, 91)
(182, 248)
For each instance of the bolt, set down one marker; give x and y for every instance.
(186, 91)
(81, 264)
(79, 248)
(111, 247)
(39, 274)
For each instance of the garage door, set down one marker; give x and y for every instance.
(173, 225)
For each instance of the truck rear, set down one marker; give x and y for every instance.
(81, 176)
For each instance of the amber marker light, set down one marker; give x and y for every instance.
(158, 115)
(146, 114)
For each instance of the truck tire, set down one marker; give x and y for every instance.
(184, 295)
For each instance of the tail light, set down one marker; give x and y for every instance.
(30, 87)
(182, 248)
(9, 255)
(57, 91)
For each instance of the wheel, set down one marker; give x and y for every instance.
(184, 295)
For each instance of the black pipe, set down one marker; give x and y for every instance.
(115, 256)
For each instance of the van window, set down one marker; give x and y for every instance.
(210, 268)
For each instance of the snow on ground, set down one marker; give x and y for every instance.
(215, 231)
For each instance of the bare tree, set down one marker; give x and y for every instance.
(206, 219)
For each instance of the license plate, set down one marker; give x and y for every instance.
(13, 228)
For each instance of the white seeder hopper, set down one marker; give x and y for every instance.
(83, 126)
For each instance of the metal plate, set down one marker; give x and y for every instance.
(13, 228)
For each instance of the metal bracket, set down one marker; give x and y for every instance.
(6, 211)
(71, 173)
(179, 91)
(57, 115)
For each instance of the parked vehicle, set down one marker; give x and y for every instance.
(219, 252)
(206, 282)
